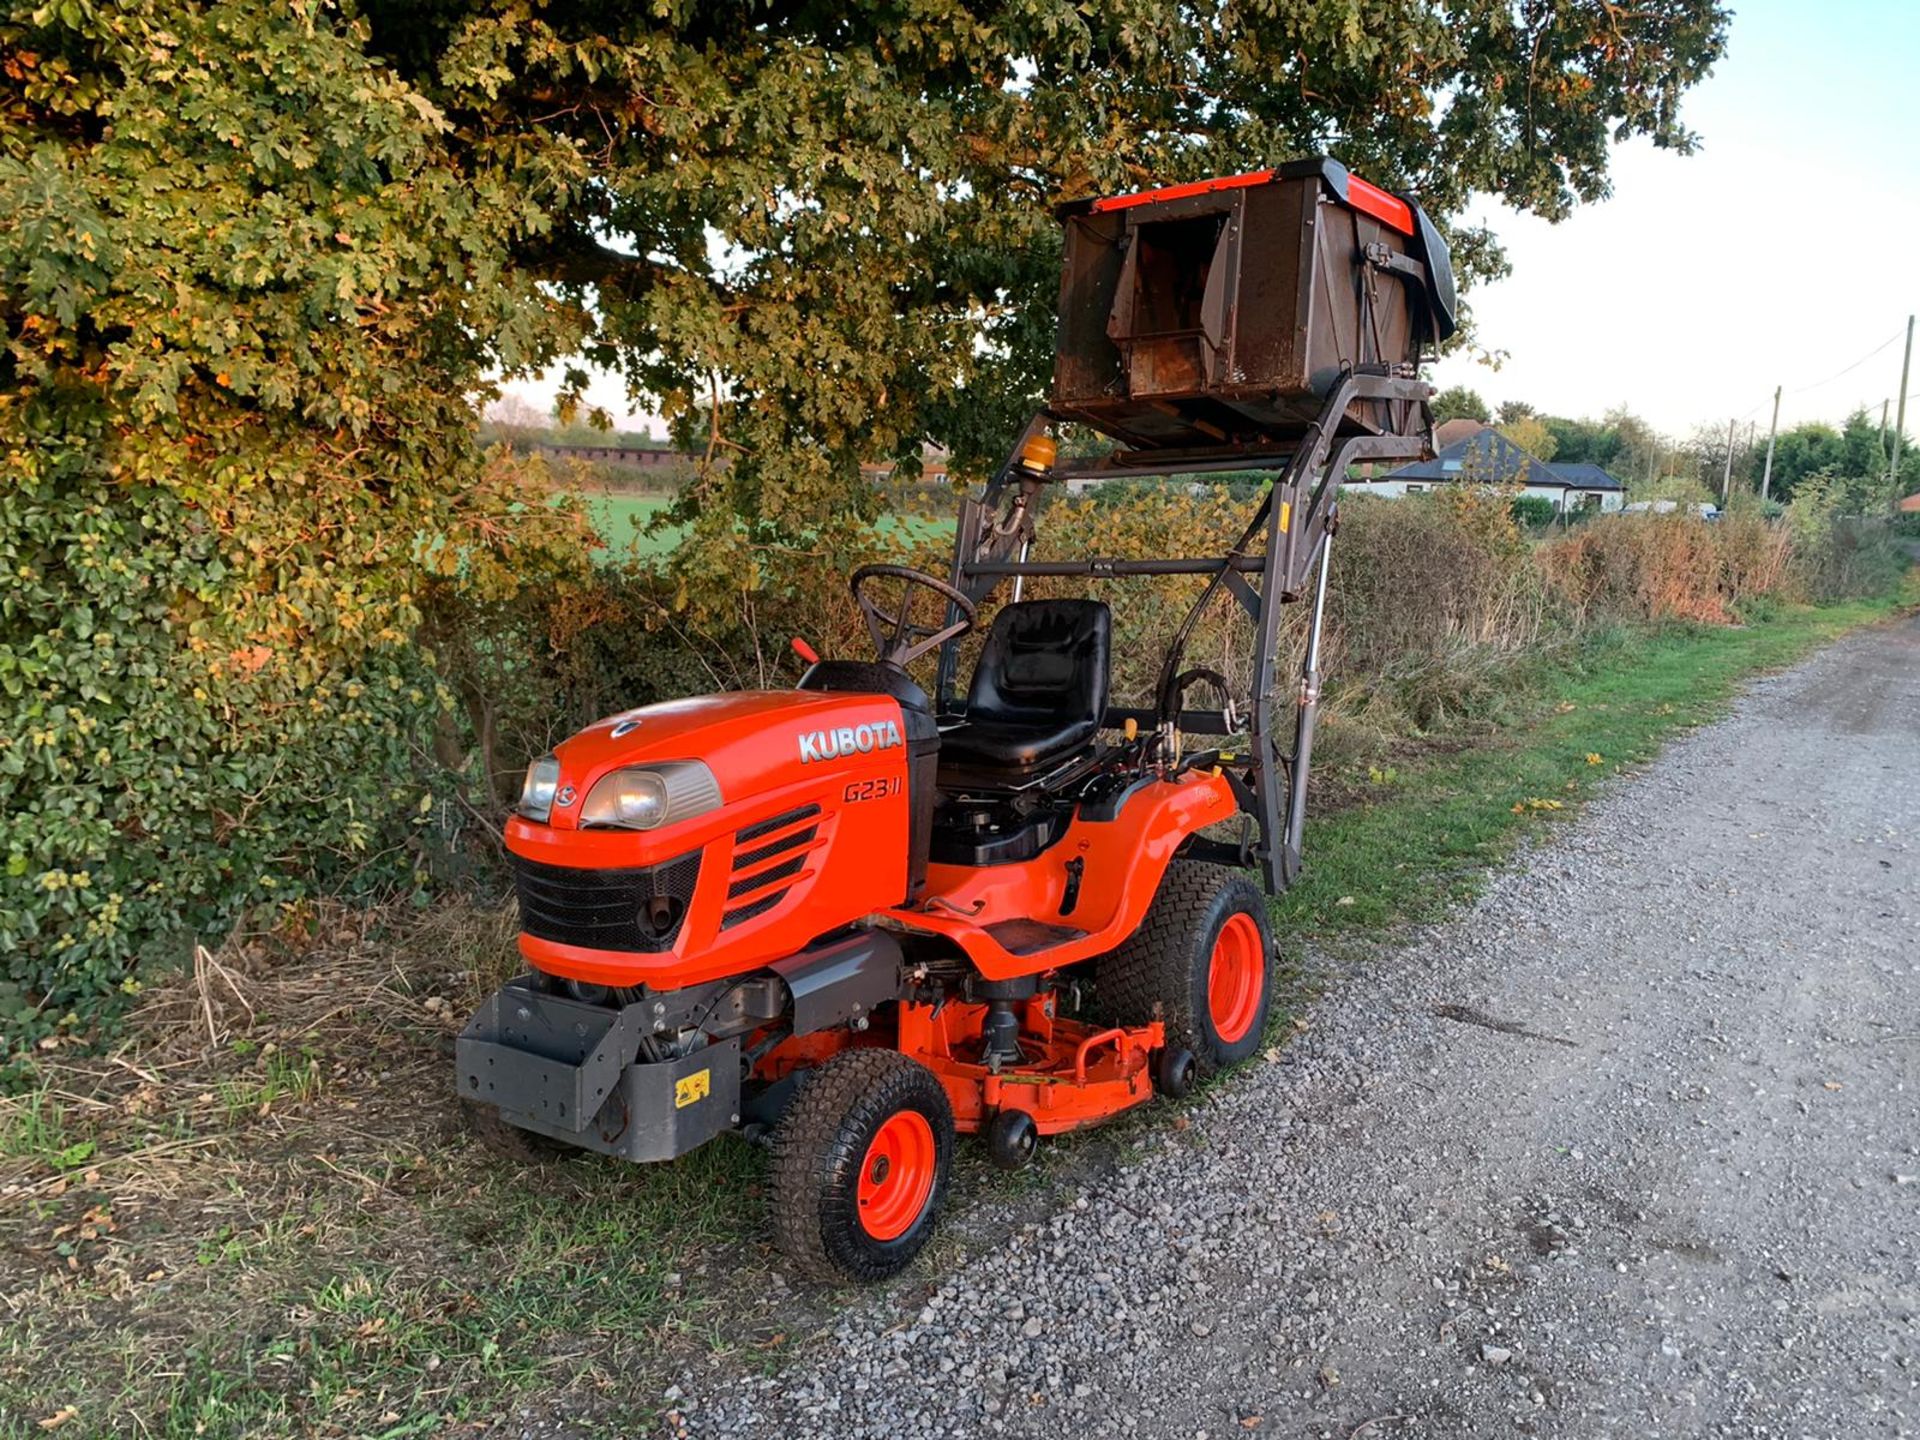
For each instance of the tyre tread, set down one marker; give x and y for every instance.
(832, 1099)
(1149, 976)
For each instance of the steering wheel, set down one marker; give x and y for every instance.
(897, 637)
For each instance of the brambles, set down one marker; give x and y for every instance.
(1668, 567)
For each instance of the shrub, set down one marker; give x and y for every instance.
(1421, 576)
(1535, 512)
(1135, 520)
(529, 667)
(245, 312)
(1434, 601)
(1666, 567)
(1845, 543)
(1431, 599)
(1858, 556)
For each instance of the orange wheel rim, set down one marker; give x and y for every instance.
(896, 1177)
(1235, 978)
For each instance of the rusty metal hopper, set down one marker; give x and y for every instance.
(1226, 312)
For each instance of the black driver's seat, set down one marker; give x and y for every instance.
(1039, 692)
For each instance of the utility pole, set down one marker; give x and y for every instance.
(1726, 475)
(1766, 473)
(1900, 412)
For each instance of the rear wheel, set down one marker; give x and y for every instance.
(860, 1162)
(1202, 961)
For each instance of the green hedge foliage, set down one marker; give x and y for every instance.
(246, 304)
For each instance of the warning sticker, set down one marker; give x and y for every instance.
(696, 1086)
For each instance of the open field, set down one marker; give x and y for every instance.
(622, 521)
(261, 1215)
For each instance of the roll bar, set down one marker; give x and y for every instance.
(1297, 516)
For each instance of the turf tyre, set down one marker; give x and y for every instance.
(824, 1147)
(1166, 969)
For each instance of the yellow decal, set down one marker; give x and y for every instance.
(696, 1086)
(1286, 515)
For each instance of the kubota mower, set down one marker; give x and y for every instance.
(853, 919)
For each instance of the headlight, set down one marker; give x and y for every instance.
(647, 797)
(636, 799)
(536, 795)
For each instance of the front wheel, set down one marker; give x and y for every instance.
(1202, 962)
(860, 1162)
(509, 1141)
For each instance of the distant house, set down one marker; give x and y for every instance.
(1910, 504)
(1486, 457)
(933, 467)
(1449, 432)
(645, 457)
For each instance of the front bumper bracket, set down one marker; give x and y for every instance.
(567, 1069)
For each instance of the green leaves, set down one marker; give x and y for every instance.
(245, 315)
(257, 261)
(824, 235)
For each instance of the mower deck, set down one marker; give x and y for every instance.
(1069, 1075)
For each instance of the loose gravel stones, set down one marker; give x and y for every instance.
(1694, 1215)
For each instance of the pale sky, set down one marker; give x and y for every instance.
(1781, 253)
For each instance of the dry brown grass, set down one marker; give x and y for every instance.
(260, 1213)
(1668, 567)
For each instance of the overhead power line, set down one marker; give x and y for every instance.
(1838, 374)
(1801, 390)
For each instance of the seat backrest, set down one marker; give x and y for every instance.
(1044, 660)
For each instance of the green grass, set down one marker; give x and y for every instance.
(622, 521)
(451, 1285)
(282, 1077)
(1431, 827)
(37, 1128)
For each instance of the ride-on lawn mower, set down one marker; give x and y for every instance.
(849, 919)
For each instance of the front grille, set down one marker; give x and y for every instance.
(636, 910)
(758, 907)
(795, 841)
(767, 827)
(784, 870)
(744, 859)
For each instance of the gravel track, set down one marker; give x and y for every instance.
(1627, 1148)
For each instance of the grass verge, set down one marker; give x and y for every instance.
(261, 1216)
(622, 521)
(1428, 830)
